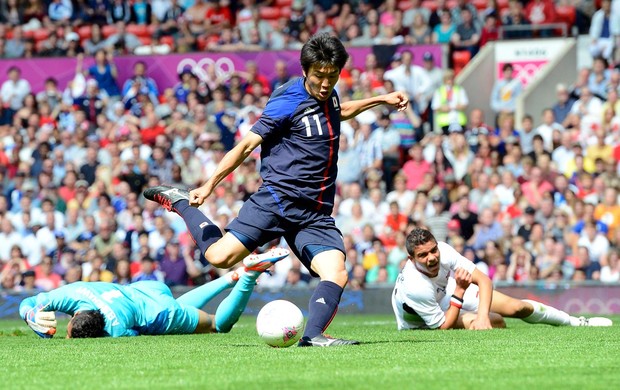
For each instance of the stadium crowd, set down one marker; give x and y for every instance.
(524, 202)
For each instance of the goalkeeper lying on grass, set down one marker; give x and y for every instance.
(101, 309)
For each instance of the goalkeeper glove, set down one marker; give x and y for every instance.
(43, 323)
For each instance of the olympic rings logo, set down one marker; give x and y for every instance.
(224, 67)
(593, 306)
(526, 72)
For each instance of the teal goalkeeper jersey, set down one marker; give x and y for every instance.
(142, 308)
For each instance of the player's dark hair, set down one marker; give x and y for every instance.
(87, 324)
(323, 50)
(418, 236)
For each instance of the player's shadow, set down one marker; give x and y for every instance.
(361, 343)
(396, 341)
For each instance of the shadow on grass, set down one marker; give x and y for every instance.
(374, 342)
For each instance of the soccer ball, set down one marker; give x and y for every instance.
(280, 323)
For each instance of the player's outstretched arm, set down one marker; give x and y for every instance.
(229, 163)
(351, 108)
(485, 287)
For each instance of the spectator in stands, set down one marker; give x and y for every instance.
(140, 82)
(92, 102)
(105, 73)
(12, 94)
(140, 12)
(595, 241)
(442, 33)
(548, 128)
(564, 104)
(449, 104)
(419, 33)
(467, 34)
(505, 93)
(95, 42)
(177, 265)
(481, 194)
(438, 222)
(122, 42)
(409, 77)
(610, 267)
(601, 26)
(541, 12)
(11, 13)
(52, 46)
(490, 30)
(14, 47)
(60, 12)
(487, 230)
(587, 105)
(195, 17)
(535, 188)
(526, 134)
(349, 168)
(517, 23)
(118, 11)
(477, 130)
(599, 78)
(415, 168)
(169, 21)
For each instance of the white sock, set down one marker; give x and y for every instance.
(544, 314)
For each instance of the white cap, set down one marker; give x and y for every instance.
(73, 36)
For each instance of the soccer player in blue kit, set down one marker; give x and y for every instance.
(100, 309)
(298, 132)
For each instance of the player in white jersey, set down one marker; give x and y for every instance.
(439, 288)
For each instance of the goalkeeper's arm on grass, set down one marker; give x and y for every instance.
(39, 316)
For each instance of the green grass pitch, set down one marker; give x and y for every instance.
(522, 356)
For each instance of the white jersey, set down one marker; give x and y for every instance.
(420, 302)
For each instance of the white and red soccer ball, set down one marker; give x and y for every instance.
(280, 323)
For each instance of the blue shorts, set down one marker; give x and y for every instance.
(266, 217)
(164, 315)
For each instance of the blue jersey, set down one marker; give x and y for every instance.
(146, 308)
(299, 152)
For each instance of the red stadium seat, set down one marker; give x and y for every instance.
(285, 12)
(502, 3)
(38, 46)
(430, 5)
(269, 13)
(201, 42)
(41, 34)
(145, 40)
(29, 34)
(566, 14)
(139, 30)
(107, 30)
(168, 40)
(480, 4)
(85, 32)
(460, 58)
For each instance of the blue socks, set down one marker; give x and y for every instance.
(322, 308)
(199, 296)
(231, 308)
(203, 231)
